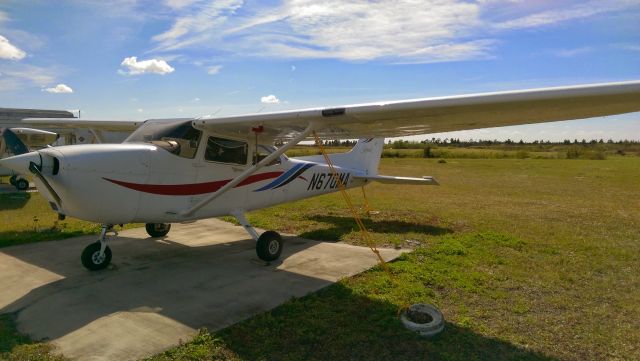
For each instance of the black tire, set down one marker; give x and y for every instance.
(157, 229)
(90, 259)
(12, 180)
(22, 184)
(269, 246)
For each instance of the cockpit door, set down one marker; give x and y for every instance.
(222, 159)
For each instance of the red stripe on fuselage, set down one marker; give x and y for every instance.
(193, 188)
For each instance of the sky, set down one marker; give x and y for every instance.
(140, 59)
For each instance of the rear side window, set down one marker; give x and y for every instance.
(226, 151)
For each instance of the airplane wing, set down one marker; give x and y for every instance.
(441, 114)
(75, 123)
(14, 114)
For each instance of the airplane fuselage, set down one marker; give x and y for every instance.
(126, 183)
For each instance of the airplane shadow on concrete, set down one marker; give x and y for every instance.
(343, 225)
(215, 286)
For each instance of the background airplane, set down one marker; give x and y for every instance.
(13, 141)
(33, 138)
(180, 170)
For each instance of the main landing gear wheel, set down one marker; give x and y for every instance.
(12, 180)
(269, 246)
(92, 259)
(157, 229)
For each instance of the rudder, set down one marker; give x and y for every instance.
(365, 156)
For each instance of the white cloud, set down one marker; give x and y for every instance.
(19, 76)
(269, 99)
(192, 25)
(393, 31)
(215, 69)
(59, 89)
(389, 29)
(10, 51)
(178, 4)
(154, 66)
(630, 47)
(565, 13)
(140, 110)
(568, 53)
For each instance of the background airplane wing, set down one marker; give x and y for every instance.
(14, 114)
(102, 125)
(441, 114)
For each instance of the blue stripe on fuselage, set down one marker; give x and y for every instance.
(281, 178)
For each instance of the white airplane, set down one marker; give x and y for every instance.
(181, 170)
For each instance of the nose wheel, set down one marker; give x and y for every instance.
(93, 259)
(97, 255)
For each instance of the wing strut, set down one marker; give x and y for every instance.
(300, 137)
(97, 134)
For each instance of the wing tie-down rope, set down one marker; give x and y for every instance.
(366, 237)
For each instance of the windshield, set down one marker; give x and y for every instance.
(179, 138)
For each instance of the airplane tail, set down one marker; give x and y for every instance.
(364, 156)
(12, 144)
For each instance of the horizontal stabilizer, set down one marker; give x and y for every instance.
(425, 180)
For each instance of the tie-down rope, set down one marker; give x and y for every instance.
(366, 237)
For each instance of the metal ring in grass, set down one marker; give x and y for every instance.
(424, 319)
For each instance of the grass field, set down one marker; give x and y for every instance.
(533, 259)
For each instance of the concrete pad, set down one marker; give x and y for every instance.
(158, 292)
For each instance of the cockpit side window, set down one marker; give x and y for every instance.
(226, 151)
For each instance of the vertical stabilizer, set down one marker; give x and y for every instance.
(365, 156)
(12, 144)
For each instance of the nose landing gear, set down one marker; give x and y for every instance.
(97, 255)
